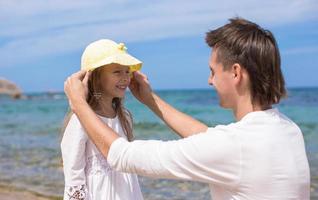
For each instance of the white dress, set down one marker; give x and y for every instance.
(87, 174)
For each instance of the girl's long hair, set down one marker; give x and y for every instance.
(93, 99)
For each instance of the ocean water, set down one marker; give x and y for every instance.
(30, 137)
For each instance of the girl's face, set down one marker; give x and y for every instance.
(115, 79)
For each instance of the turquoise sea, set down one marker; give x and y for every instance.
(30, 135)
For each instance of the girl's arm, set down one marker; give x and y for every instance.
(73, 154)
(101, 135)
(199, 157)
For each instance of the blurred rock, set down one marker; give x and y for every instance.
(9, 88)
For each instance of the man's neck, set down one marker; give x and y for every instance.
(245, 106)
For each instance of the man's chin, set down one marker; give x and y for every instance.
(223, 105)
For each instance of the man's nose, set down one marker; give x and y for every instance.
(210, 82)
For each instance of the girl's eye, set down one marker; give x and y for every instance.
(121, 71)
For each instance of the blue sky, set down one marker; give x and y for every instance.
(41, 42)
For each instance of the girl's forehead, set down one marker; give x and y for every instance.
(114, 66)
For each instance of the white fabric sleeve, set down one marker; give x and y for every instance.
(210, 157)
(73, 155)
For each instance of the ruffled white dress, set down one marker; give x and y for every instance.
(87, 174)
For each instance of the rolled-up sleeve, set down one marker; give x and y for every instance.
(210, 157)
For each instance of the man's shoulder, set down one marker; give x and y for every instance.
(225, 129)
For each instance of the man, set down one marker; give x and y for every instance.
(261, 156)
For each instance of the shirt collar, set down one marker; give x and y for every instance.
(262, 113)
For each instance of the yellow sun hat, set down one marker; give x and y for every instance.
(103, 52)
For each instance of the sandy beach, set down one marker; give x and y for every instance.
(10, 193)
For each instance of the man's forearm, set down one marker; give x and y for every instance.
(181, 123)
(99, 132)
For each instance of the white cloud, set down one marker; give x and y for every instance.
(35, 28)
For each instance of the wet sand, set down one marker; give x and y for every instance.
(10, 193)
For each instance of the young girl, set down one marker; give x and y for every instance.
(87, 173)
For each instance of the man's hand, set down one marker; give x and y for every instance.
(75, 88)
(140, 88)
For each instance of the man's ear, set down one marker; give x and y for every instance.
(236, 71)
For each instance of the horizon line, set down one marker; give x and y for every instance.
(168, 89)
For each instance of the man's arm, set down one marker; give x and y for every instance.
(188, 159)
(182, 124)
(75, 88)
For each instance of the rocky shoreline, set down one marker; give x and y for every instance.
(9, 88)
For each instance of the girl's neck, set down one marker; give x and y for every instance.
(105, 108)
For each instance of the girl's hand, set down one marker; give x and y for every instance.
(75, 88)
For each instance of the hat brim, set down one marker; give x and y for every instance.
(122, 59)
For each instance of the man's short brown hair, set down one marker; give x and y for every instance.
(256, 50)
